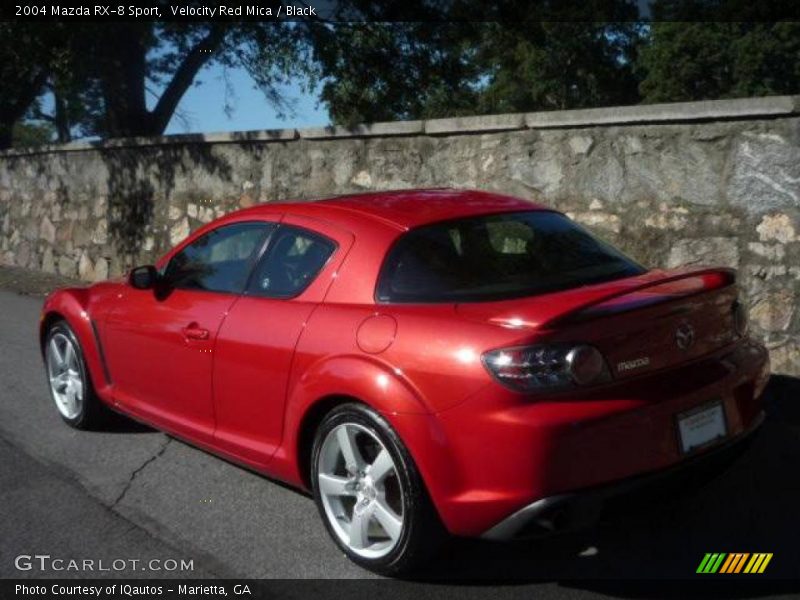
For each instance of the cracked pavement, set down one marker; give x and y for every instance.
(133, 492)
(141, 468)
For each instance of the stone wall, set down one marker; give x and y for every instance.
(710, 182)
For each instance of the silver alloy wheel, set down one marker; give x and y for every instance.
(360, 490)
(64, 372)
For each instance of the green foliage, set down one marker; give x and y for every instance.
(31, 134)
(690, 56)
(524, 56)
(542, 55)
(706, 60)
(767, 60)
(552, 65)
(536, 55)
(398, 70)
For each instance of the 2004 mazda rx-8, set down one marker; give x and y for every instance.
(423, 361)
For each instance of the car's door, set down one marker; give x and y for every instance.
(159, 343)
(256, 343)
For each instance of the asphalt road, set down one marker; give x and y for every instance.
(131, 492)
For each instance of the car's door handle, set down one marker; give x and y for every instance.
(195, 332)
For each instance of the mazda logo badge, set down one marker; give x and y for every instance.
(684, 336)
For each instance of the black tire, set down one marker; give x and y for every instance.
(92, 412)
(422, 533)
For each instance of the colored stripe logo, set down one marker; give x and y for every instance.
(736, 562)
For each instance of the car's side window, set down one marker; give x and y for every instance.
(220, 260)
(293, 259)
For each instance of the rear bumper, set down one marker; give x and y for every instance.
(565, 512)
(499, 454)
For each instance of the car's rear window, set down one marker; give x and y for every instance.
(496, 257)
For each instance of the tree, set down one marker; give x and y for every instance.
(689, 56)
(127, 79)
(557, 65)
(41, 58)
(25, 65)
(767, 60)
(522, 56)
(76, 101)
(134, 59)
(381, 71)
(381, 61)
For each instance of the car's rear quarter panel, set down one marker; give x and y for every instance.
(419, 373)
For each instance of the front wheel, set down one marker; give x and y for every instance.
(370, 494)
(68, 377)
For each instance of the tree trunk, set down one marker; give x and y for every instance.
(123, 78)
(61, 119)
(183, 77)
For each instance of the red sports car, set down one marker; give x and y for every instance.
(423, 362)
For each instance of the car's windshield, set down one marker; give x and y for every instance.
(497, 257)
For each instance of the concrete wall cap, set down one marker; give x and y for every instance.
(730, 109)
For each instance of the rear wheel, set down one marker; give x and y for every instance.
(68, 377)
(370, 494)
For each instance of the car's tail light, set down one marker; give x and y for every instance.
(741, 321)
(547, 367)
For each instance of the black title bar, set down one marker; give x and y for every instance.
(512, 11)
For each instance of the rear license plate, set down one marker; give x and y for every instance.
(701, 426)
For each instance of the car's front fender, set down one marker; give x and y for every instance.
(72, 305)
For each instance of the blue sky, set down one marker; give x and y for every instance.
(203, 106)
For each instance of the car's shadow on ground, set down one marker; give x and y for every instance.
(114, 422)
(751, 507)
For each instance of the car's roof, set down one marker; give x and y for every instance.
(405, 209)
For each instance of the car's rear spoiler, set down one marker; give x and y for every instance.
(681, 284)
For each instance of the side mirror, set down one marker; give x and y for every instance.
(143, 278)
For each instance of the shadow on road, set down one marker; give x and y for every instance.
(115, 422)
(750, 507)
